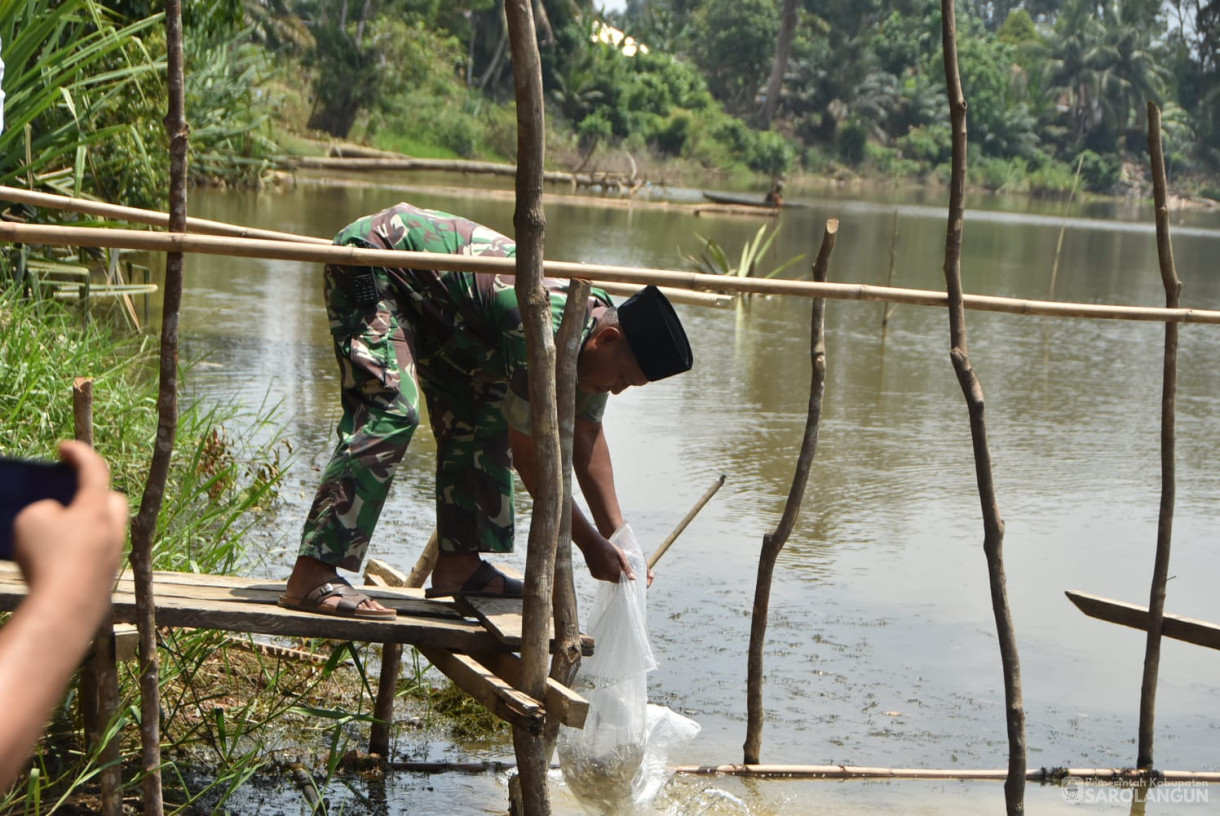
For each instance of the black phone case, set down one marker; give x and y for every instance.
(23, 482)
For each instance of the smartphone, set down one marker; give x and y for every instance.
(25, 481)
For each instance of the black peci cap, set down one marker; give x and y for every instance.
(655, 334)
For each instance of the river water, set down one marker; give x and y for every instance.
(881, 648)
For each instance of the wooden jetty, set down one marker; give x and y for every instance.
(473, 641)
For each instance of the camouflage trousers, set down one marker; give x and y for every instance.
(384, 367)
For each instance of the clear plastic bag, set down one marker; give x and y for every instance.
(616, 764)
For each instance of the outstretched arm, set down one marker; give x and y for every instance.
(69, 557)
(591, 464)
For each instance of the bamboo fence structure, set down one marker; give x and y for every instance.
(696, 281)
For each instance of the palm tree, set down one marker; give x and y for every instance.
(1071, 74)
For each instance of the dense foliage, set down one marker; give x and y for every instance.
(1053, 85)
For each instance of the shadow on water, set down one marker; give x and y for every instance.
(881, 649)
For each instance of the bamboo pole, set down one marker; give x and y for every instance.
(774, 541)
(355, 256)
(857, 772)
(144, 525)
(972, 390)
(1169, 389)
(686, 520)
(203, 226)
(889, 277)
(141, 216)
(529, 221)
(1045, 775)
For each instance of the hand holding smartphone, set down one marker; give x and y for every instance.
(23, 482)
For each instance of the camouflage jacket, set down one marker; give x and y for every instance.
(467, 324)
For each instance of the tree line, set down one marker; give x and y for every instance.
(842, 87)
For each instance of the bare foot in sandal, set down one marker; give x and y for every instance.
(309, 575)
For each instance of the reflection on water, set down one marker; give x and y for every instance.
(881, 646)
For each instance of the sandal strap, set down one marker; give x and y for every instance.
(350, 598)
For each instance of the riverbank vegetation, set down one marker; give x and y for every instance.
(232, 710)
(682, 89)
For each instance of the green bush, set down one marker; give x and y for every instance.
(769, 153)
(930, 145)
(850, 142)
(1099, 174)
(672, 136)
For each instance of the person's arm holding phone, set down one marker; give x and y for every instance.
(69, 556)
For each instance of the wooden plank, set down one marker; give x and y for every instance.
(569, 707)
(239, 616)
(495, 694)
(388, 574)
(502, 617)
(406, 601)
(1201, 633)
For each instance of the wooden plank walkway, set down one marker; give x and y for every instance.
(249, 605)
(478, 657)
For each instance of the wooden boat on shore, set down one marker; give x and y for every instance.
(740, 200)
(737, 200)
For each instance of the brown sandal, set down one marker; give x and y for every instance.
(349, 597)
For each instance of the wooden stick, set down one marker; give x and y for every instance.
(565, 659)
(425, 564)
(354, 256)
(682, 525)
(529, 222)
(889, 278)
(1169, 391)
(100, 678)
(972, 391)
(774, 541)
(144, 525)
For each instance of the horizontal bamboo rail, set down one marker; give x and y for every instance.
(1126, 775)
(204, 226)
(355, 256)
(153, 218)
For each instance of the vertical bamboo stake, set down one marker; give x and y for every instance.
(529, 221)
(887, 309)
(774, 541)
(972, 390)
(566, 657)
(1169, 390)
(144, 525)
(100, 679)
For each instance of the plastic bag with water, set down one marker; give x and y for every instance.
(617, 763)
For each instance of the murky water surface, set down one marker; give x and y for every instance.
(881, 647)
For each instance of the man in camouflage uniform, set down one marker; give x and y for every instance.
(457, 337)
